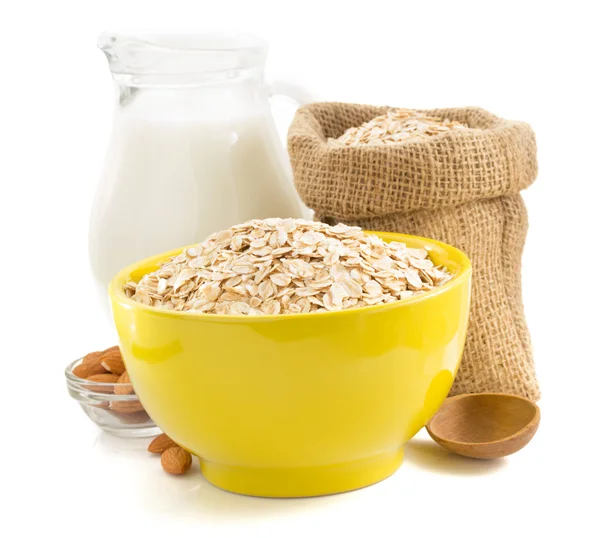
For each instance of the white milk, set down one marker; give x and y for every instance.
(171, 183)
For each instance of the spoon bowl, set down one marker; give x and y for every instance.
(484, 426)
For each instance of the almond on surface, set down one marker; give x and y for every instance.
(123, 385)
(176, 460)
(161, 443)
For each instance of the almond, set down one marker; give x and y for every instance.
(102, 378)
(111, 349)
(93, 355)
(176, 460)
(123, 386)
(139, 417)
(113, 363)
(161, 443)
(126, 406)
(89, 368)
(111, 353)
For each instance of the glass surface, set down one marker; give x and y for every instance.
(121, 415)
(193, 149)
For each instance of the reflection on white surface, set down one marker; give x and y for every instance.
(113, 444)
(191, 495)
(431, 457)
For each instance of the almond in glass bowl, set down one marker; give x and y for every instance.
(108, 398)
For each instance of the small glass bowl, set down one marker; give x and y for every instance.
(121, 415)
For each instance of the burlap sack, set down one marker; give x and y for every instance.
(461, 187)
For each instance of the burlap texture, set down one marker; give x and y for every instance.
(462, 188)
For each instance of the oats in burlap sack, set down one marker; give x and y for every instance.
(396, 126)
(461, 187)
(288, 266)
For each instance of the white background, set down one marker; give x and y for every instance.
(536, 62)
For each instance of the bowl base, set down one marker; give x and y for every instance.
(302, 481)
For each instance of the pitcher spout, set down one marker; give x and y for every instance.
(182, 55)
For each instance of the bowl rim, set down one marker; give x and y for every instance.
(116, 293)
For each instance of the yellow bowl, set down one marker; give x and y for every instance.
(302, 404)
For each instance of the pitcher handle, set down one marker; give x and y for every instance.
(292, 91)
(300, 97)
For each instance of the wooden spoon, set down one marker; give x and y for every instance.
(485, 426)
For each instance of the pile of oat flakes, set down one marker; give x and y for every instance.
(288, 266)
(398, 125)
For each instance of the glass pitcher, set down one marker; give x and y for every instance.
(194, 147)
